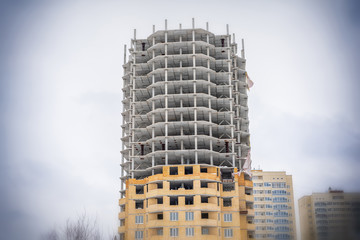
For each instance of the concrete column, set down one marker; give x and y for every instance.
(166, 98)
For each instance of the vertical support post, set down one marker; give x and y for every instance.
(194, 90)
(122, 173)
(243, 48)
(166, 97)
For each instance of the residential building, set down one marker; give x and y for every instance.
(330, 215)
(185, 134)
(273, 205)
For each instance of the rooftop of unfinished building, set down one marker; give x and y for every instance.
(183, 31)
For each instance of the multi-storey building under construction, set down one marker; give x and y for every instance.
(185, 135)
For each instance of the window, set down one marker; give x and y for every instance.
(227, 217)
(159, 200)
(139, 204)
(189, 231)
(159, 185)
(174, 201)
(188, 170)
(227, 202)
(204, 231)
(139, 234)
(228, 232)
(173, 171)
(222, 42)
(174, 216)
(139, 219)
(203, 170)
(174, 232)
(204, 215)
(160, 231)
(204, 199)
(203, 184)
(143, 46)
(189, 200)
(140, 189)
(160, 216)
(189, 216)
(122, 222)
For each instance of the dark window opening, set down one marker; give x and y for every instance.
(222, 42)
(203, 184)
(143, 46)
(228, 187)
(227, 146)
(227, 202)
(174, 201)
(188, 170)
(189, 200)
(122, 208)
(139, 189)
(159, 185)
(163, 146)
(204, 199)
(175, 185)
(188, 185)
(139, 204)
(160, 200)
(204, 215)
(173, 170)
(160, 216)
(203, 170)
(142, 149)
(122, 222)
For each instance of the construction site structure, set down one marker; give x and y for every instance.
(185, 135)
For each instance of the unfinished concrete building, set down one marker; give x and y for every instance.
(185, 133)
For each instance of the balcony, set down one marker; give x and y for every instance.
(249, 198)
(251, 227)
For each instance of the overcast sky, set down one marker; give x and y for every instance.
(60, 98)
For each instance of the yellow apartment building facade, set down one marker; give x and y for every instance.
(330, 215)
(273, 205)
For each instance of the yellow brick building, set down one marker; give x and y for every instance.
(197, 204)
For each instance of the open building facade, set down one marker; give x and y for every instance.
(185, 132)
